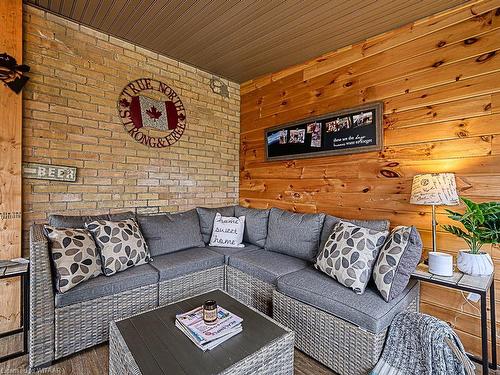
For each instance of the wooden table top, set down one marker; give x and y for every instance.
(159, 347)
(459, 280)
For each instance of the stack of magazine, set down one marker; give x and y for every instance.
(205, 336)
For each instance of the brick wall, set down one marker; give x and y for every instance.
(70, 118)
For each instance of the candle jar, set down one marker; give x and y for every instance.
(210, 312)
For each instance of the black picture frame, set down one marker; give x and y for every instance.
(349, 131)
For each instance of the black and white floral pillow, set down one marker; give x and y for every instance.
(349, 254)
(397, 260)
(121, 244)
(74, 255)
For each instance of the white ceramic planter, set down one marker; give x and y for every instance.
(474, 264)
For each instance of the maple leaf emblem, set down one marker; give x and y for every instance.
(153, 113)
(124, 102)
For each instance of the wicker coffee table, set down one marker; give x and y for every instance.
(149, 343)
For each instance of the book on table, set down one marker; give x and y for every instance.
(208, 336)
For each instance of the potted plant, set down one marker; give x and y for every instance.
(481, 223)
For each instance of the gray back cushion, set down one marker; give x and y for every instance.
(207, 216)
(63, 221)
(168, 233)
(294, 234)
(255, 224)
(331, 221)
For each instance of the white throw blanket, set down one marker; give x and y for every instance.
(420, 344)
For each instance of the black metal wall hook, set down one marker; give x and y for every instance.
(12, 74)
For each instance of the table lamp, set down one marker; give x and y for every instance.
(436, 189)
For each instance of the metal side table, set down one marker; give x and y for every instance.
(473, 284)
(18, 270)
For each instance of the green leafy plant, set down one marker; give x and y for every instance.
(481, 222)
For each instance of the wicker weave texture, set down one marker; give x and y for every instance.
(273, 359)
(41, 334)
(340, 345)
(82, 325)
(121, 361)
(250, 290)
(191, 285)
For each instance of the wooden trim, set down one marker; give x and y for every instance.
(11, 17)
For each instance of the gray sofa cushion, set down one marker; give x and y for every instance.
(207, 216)
(230, 251)
(368, 311)
(168, 233)
(266, 265)
(63, 221)
(102, 286)
(294, 234)
(255, 224)
(331, 221)
(182, 263)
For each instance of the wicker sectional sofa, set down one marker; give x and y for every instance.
(272, 273)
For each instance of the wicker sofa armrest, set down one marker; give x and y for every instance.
(41, 336)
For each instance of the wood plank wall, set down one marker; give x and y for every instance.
(439, 79)
(10, 163)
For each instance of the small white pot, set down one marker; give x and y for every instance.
(474, 264)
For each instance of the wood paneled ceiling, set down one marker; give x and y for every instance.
(243, 39)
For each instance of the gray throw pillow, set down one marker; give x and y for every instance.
(207, 217)
(349, 254)
(294, 234)
(330, 222)
(120, 243)
(397, 260)
(255, 224)
(168, 233)
(64, 221)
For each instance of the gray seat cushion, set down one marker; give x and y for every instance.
(255, 224)
(230, 251)
(368, 310)
(168, 233)
(207, 216)
(266, 265)
(63, 221)
(181, 263)
(102, 286)
(294, 234)
(331, 221)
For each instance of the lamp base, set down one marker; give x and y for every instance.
(440, 264)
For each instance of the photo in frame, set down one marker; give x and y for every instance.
(348, 131)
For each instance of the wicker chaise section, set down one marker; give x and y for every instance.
(250, 290)
(82, 325)
(41, 333)
(58, 332)
(342, 346)
(190, 285)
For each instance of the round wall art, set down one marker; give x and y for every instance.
(152, 113)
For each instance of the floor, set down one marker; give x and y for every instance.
(94, 361)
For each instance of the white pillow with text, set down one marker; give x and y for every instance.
(228, 231)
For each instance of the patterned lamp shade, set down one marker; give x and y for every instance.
(434, 189)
